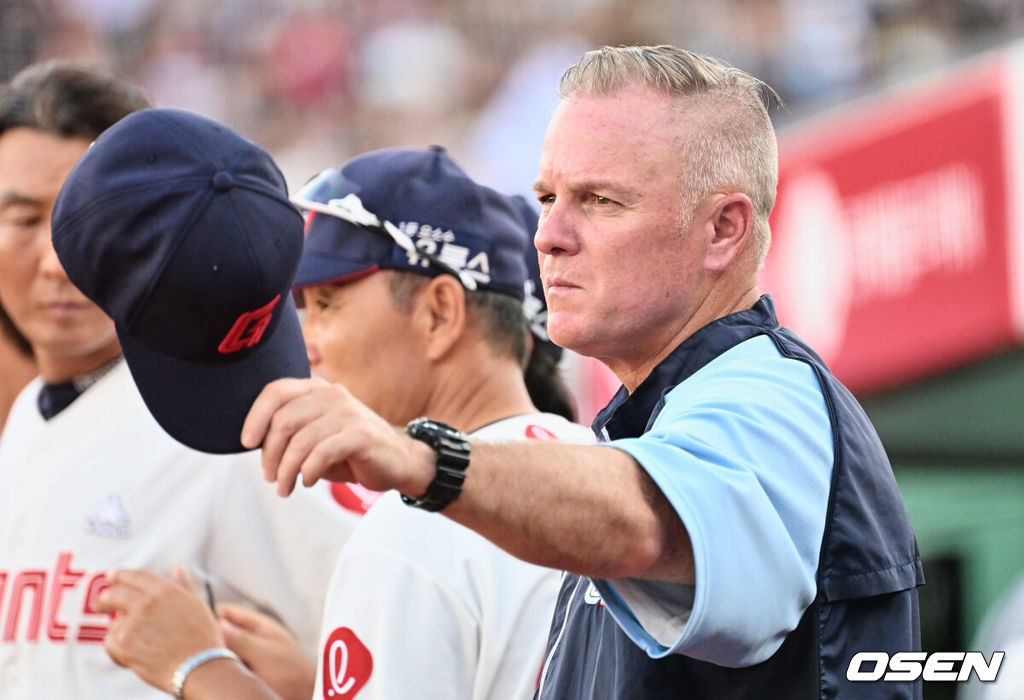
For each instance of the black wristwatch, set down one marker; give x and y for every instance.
(452, 448)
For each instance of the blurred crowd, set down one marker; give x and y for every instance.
(307, 78)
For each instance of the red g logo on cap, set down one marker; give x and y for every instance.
(248, 329)
(347, 665)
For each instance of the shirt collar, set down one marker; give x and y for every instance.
(54, 398)
(629, 415)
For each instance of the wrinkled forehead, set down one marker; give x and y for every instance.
(610, 137)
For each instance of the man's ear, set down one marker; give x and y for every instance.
(732, 216)
(440, 309)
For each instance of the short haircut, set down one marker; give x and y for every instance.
(501, 319)
(66, 99)
(499, 316)
(731, 143)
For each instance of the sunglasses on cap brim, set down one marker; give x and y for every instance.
(332, 194)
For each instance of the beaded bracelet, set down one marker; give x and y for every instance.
(195, 661)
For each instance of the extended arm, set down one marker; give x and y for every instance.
(587, 509)
(591, 510)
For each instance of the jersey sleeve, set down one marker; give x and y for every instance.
(419, 633)
(419, 639)
(743, 451)
(276, 554)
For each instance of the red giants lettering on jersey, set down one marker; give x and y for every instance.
(248, 328)
(31, 600)
(347, 665)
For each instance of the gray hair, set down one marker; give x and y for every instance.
(732, 144)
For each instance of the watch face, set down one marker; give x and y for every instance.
(431, 431)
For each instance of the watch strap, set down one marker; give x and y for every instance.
(452, 449)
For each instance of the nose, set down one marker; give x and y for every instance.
(312, 353)
(556, 233)
(309, 335)
(49, 263)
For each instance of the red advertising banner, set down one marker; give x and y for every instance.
(892, 229)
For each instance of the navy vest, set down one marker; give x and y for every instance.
(868, 571)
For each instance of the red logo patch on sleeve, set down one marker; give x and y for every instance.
(536, 432)
(354, 497)
(347, 665)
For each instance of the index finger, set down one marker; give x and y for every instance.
(274, 396)
(244, 618)
(124, 588)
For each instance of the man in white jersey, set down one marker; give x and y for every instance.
(419, 606)
(89, 482)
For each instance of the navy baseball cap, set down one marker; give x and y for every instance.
(415, 210)
(181, 231)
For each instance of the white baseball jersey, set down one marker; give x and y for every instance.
(422, 607)
(101, 486)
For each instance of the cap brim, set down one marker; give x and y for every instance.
(338, 251)
(315, 269)
(204, 406)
